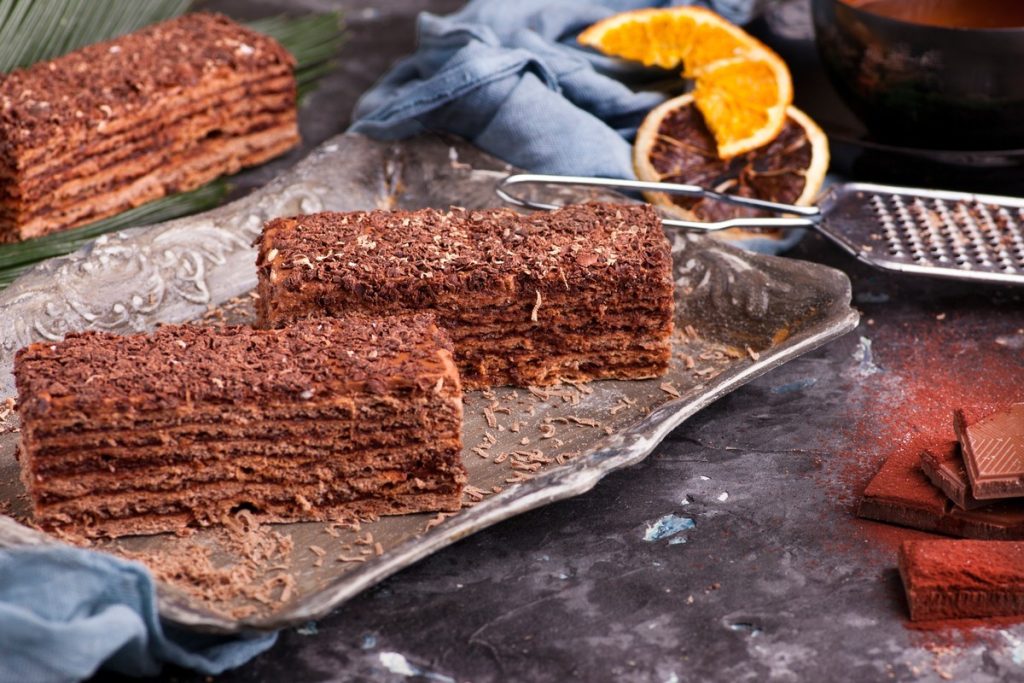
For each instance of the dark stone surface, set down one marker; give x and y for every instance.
(777, 581)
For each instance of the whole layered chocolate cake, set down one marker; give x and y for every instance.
(120, 123)
(325, 420)
(582, 293)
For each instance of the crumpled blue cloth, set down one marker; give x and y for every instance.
(65, 612)
(508, 76)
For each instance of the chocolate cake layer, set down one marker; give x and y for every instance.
(229, 464)
(153, 494)
(282, 511)
(901, 494)
(189, 171)
(992, 443)
(185, 124)
(66, 450)
(120, 123)
(581, 293)
(133, 159)
(363, 417)
(164, 116)
(962, 579)
(321, 420)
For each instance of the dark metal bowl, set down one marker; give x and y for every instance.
(925, 86)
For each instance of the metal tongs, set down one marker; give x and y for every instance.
(940, 233)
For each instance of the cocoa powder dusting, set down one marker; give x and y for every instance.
(924, 372)
(904, 391)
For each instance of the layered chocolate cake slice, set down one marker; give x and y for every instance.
(582, 293)
(120, 123)
(326, 419)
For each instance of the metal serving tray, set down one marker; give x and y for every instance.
(739, 314)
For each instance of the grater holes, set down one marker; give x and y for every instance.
(908, 225)
(1009, 225)
(889, 231)
(946, 232)
(975, 230)
(928, 239)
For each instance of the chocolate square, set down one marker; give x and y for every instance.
(992, 443)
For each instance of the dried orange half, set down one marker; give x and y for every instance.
(674, 145)
(740, 85)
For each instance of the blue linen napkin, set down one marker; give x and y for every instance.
(64, 612)
(508, 76)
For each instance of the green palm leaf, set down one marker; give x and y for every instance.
(16, 258)
(34, 30)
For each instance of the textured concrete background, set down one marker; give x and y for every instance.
(775, 581)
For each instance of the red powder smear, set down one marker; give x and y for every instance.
(880, 542)
(929, 369)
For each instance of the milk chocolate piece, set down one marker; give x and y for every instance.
(119, 123)
(901, 494)
(324, 420)
(581, 293)
(992, 443)
(947, 579)
(944, 467)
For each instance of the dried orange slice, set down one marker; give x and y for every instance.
(740, 85)
(674, 145)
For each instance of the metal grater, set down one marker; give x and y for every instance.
(954, 235)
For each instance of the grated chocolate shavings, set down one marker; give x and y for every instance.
(434, 521)
(539, 393)
(474, 492)
(670, 389)
(492, 421)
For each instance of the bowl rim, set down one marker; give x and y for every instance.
(850, 5)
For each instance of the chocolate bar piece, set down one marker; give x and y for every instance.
(944, 467)
(992, 443)
(901, 494)
(120, 123)
(581, 293)
(325, 420)
(947, 579)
